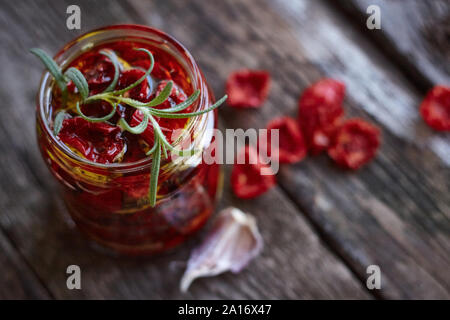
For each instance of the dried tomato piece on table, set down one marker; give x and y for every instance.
(354, 144)
(291, 146)
(96, 141)
(320, 110)
(247, 88)
(435, 108)
(246, 178)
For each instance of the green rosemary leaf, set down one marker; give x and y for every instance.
(113, 57)
(162, 96)
(100, 96)
(149, 152)
(102, 119)
(156, 162)
(182, 153)
(58, 122)
(54, 70)
(128, 101)
(131, 86)
(164, 149)
(137, 129)
(79, 80)
(158, 133)
(183, 105)
(158, 113)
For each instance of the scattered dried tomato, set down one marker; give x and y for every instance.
(247, 88)
(98, 142)
(291, 146)
(435, 108)
(354, 143)
(320, 110)
(246, 179)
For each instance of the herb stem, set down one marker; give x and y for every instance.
(161, 145)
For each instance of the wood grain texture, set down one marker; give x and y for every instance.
(17, 280)
(415, 34)
(393, 213)
(294, 264)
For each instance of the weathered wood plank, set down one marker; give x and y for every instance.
(393, 213)
(17, 280)
(294, 264)
(416, 34)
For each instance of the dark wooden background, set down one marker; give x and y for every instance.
(322, 227)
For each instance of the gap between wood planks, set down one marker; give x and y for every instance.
(312, 72)
(48, 263)
(352, 10)
(326, 241)
(42, 292)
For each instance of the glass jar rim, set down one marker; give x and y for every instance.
(188, 62)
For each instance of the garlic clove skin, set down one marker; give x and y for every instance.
(231, 243)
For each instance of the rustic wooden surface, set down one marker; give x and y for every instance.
(322, 227)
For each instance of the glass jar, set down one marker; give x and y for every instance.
(109, 202)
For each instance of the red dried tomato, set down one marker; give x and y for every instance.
(96, 109)
(177, 96)
(320, 110)
(435, 108)
(354, 143)
(102, 200)
(159, 72)
(134, 148)
(140, 92)
(247, 88)
(97, 69)
(291, 146)
(246, 179)
(135, 186)
(147, 135)
(98, 142)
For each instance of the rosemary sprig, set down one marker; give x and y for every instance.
(114, 97)
(101, 119)
(54, 70)
(57, 124)
(112, 56)
(79, 80)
